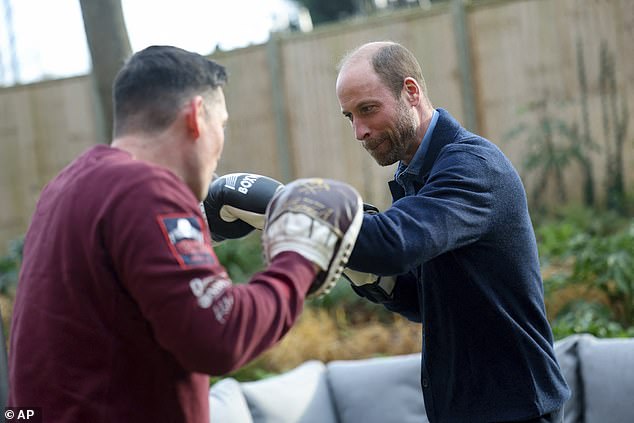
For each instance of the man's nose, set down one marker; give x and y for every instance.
(361, 131)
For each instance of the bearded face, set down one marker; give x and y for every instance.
(392, 144)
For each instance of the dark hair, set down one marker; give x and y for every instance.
(393, 63)
(154, 84)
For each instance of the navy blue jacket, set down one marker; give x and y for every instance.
(465, 249)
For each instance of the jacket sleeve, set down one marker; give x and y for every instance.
(453, 209)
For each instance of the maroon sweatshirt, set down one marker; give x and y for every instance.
(122, 308)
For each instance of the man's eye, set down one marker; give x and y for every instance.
(348, 116)
(368, 109)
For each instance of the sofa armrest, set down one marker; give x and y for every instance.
(607, 374)
(567, 357)
(227, 404)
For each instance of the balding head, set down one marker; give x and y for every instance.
(362, 53)
(389, 60)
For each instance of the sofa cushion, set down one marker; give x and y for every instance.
(300, 395)
(378, 390)
(227, 404)
(607, 373)
(566, 353)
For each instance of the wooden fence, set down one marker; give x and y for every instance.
(512, 63)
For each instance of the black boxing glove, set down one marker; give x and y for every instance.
(377, 289)
(236, 204)
(370, 208)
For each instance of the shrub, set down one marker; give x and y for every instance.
(329, 334)
(10, 267)
(591, 255)
(580, 316)
(241, 257)
(607, 264)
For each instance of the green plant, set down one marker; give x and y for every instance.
(241, 257)
(10, 267)
(342, 300)
(594, 254)
(580, 316)
(556, 230)
(548, 155)
(607, 264)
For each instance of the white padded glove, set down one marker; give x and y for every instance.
(319, 219)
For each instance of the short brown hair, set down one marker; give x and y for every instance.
(393, 63)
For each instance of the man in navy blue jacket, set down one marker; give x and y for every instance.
(459, 245)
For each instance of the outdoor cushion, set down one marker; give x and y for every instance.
(385, 389)
(608, 379)
(300, 395)
(566, 352)
(227, 404)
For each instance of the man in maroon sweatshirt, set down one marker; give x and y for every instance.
(122, 309)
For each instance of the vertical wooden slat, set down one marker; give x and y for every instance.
(463, 49)
(278, 98)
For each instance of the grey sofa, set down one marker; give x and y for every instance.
(600, 373)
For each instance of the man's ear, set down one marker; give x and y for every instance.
(412, 91)
(194, 114)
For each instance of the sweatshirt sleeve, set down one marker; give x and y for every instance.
(162, 253)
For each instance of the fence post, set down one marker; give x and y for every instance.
(463, 47)
(279, 107)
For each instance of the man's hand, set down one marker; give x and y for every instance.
(377, 289)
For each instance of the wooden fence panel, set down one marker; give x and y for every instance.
(531, 52)
(42, 127)
(250, 143)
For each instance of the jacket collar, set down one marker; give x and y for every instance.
(445, 132)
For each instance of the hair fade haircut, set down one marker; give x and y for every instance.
(155, 83)
(393, 63)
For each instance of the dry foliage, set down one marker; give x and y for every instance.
(327, 336)
(556, 300)
(6, 309)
